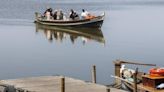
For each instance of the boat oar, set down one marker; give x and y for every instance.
(119, 78)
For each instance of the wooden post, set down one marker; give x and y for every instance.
(107, 89)
(117, 71)
(36, 16)
(93, 74)
(62, 84)
(135, 80)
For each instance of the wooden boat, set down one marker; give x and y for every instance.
(88, 33)
(137, 81)
(145, 82)
(93, 22)
(141, 88)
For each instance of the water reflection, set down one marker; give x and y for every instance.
(59, 34)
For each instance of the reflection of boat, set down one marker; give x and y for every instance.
(60, 33)
(93, 22)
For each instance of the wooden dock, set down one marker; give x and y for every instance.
(54, 84)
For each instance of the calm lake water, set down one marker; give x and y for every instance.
(131, 31)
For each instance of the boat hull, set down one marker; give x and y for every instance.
(94, 22)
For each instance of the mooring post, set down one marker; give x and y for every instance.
(117, 67)
(117, 64)
(36, 16)
(107, 89)
(62, 84)
(94, 74)
(135, 80)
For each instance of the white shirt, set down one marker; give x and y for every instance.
(84, 14)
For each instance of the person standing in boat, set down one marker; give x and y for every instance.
(73, 15)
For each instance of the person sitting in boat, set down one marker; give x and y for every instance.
(86, 15)
(73, 15)
(59, 15)
(55, 15)
(48, 13)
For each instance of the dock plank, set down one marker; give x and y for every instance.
(52, 84)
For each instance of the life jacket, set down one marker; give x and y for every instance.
(90, 17)
(157, 72)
